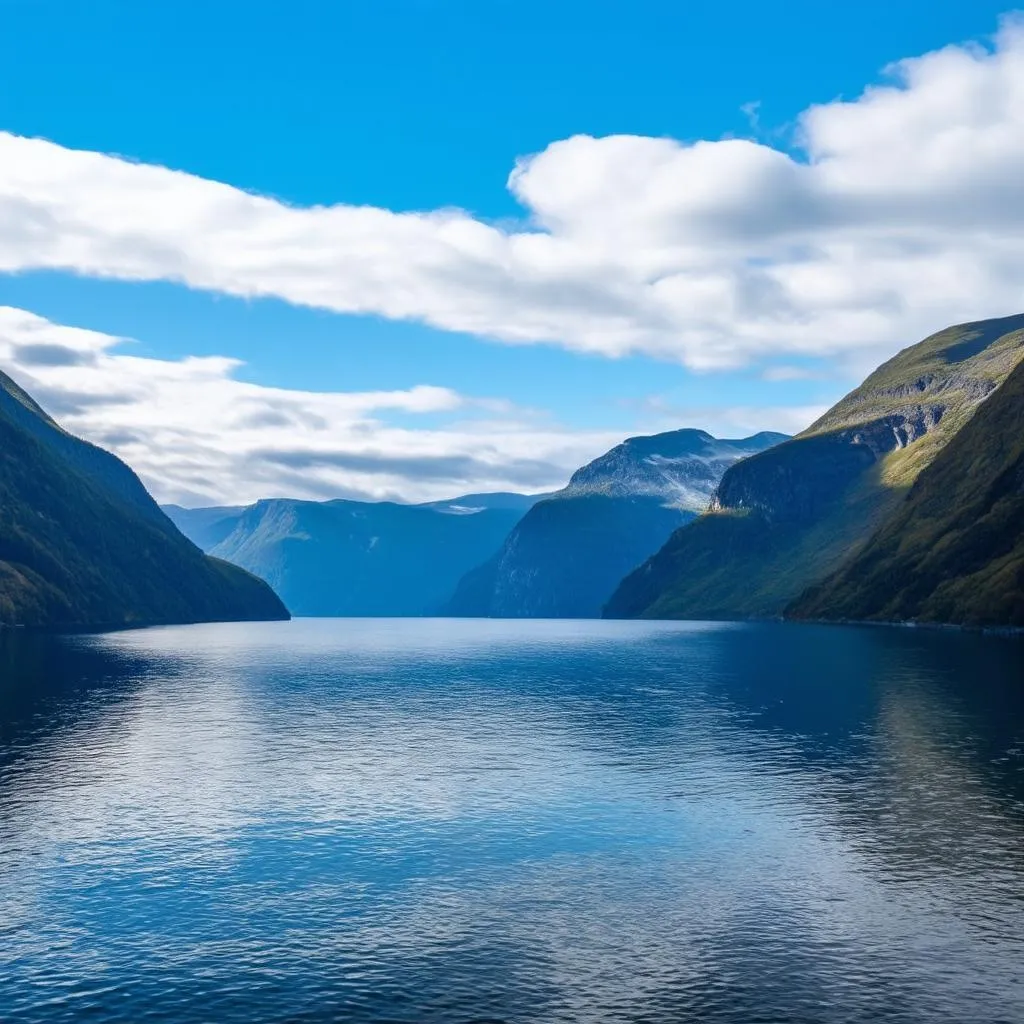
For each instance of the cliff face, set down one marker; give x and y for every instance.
(783, 520)
(799, 483)
(953, 551)
(569, 551)
(83, 545)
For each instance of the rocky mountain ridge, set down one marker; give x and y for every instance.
(784, 519)
(681, 467)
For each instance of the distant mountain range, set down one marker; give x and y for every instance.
(901, 502)
(478, 554)
(904, 502)
(567, 554)
(83, 545)
(355, 557)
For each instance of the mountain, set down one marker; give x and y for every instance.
(953, 551)
(569, 551)
(83, 545)
(783, 520)
(356, 557)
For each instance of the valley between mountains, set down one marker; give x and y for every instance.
(903, 503)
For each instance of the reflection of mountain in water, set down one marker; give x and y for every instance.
(916, 739)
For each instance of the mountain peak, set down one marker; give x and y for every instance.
(682, 467)
(569, 551)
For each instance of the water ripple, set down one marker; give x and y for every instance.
(417, 821)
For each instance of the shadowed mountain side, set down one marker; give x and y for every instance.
(953, 551)
(83, 545)
(569, 551)
(783, 520)
(358, 558)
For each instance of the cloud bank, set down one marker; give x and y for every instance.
(897, 213)
(196, 435)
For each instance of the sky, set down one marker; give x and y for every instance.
(414, 248)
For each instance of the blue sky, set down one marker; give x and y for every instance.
(426, 105)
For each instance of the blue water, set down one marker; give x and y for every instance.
(431, 821)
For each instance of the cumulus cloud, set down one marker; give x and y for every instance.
(895, 214)
(197, 435)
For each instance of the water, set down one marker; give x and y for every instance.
(428, 821)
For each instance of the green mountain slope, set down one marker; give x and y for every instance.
(83, 545)
(356, 557)
(783, 520)
(567, 554)
(953, 551)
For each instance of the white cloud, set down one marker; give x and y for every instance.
(197, 435)
(903, 213)
(777, 374)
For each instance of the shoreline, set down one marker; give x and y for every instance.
(913, 624)
(79, 630)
